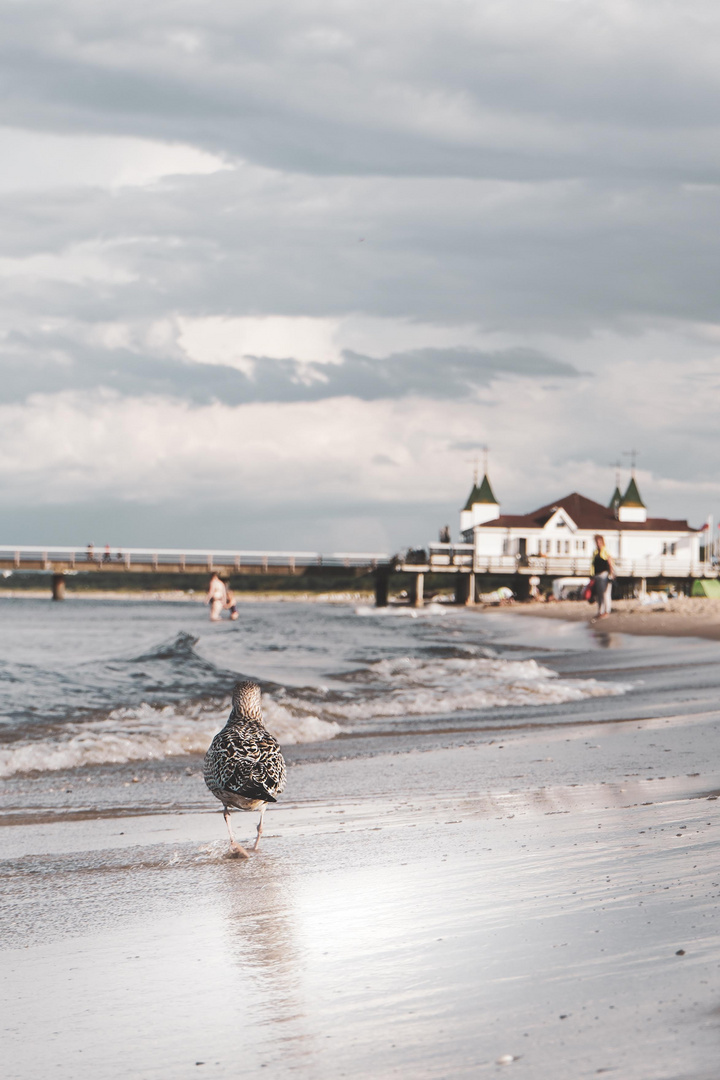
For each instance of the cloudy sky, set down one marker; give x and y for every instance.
(274, 273)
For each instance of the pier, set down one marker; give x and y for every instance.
(469, 568)
(62, 562)
(470, 573)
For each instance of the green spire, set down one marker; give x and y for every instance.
(616, 499)
(472, 497)
(485, 494)
(632, 496)
(482, 494)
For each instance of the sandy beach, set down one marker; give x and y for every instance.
(682, 617)
(549, 902)
(534, 894)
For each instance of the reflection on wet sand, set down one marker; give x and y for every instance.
(255, 902)
(606, 639)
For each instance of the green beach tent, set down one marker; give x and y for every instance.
(706, 587)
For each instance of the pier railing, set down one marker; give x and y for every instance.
(442, 558)
(54, 558)
(464, 558)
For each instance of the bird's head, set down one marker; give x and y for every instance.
(246, 700)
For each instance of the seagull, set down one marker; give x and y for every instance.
(244, 768)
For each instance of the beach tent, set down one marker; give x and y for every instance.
(706, 587)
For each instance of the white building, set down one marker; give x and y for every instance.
(559, 537)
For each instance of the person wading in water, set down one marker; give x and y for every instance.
(216, 598)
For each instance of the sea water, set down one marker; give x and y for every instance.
(90, 683)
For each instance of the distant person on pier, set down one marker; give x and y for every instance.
(604, 572)
(230, 602)
(106, 555)
(90, 556)
(216, 597)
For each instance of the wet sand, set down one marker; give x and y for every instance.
(683, 617)
(545, 905)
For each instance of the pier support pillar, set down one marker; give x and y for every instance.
(382, 580)
(521, 587)
(58, 586)
(417, 589)
(465, 589)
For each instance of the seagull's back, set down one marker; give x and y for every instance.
(244, 766)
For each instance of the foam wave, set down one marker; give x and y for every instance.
(149, 733)
(417, 687)
(408, 687)
(401, 611)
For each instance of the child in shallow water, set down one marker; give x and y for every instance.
(230, 602)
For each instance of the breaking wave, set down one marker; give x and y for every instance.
(146, 733)
(419, 687)
(401, 690)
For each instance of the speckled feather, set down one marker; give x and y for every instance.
(244, 763)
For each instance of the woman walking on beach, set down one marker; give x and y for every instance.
(604, 572)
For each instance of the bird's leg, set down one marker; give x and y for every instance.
(259, 829)
(237, 850)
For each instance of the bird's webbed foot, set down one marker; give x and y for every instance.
(237, 851)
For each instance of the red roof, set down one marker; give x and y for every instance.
(587, 515)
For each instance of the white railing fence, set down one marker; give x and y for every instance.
(88, 557)
(447, 556)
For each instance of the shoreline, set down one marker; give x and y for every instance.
(697, 617)
(683, 617)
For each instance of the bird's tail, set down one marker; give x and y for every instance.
(257, 791)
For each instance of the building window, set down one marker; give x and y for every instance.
(559, 546)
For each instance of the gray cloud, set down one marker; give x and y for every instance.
(368, 87)
(561, 257)
(538, 173)
(388, 123)
(435, 373)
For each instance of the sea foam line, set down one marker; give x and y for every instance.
(149, 733)
(413, 686)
